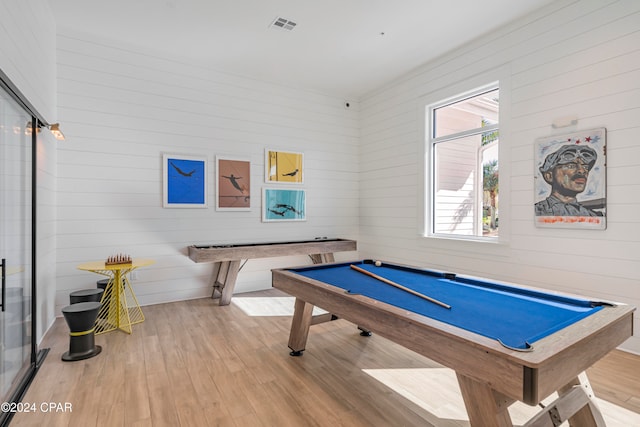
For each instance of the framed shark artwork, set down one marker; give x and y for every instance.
(281, 204)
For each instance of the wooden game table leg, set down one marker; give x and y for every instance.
(488, 408)
(588, 414)
(322, 258)
(225, 276)
(224, 280)
(321, 318)
(485, 407)
(300, 324)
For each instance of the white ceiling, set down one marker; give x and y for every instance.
(340, 47)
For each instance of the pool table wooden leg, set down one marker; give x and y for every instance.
(575, 403)
(300, 324)
(589, 415)
(488, 408)
(485, 407)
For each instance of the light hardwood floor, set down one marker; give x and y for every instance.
(194, 363)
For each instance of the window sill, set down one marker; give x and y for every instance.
(492, 246)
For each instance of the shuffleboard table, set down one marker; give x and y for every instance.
(506, 343)
(227, 258)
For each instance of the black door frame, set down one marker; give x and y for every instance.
(37, 355)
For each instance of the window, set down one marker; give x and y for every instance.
(463, 146)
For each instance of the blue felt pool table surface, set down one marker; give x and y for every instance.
(515, 316)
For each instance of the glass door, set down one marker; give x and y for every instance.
(15, 244)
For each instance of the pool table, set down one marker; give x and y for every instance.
(506, 343)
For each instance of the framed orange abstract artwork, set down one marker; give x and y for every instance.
(233, 182)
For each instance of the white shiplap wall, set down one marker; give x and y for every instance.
(573, 58)
(27, 57)
(27, 52)
(122, 108)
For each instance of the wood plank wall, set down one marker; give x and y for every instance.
(28, 58)
(572, 58)
(123, 108)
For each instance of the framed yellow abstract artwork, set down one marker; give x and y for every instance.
(284, 167)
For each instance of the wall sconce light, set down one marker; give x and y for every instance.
(54, 128)
(28, 129)
(57, 133)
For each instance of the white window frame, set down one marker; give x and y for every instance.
(481, 82)
(432, 141)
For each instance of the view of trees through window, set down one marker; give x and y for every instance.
(464, 137)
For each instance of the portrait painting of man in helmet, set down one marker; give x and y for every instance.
(570, 180)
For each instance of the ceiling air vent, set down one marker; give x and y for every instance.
(284, 24)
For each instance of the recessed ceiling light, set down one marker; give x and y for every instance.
(283, 24)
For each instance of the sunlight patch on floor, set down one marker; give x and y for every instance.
(436, 390)
(268, 306)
